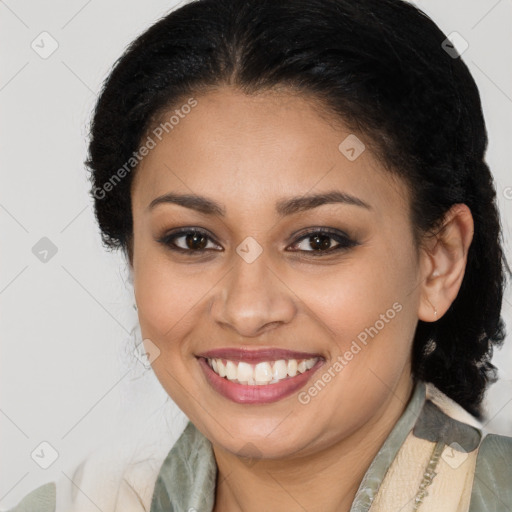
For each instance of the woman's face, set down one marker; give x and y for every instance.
(346, 301)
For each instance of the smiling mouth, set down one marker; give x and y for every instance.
(262, 373)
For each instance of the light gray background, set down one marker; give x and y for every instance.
(67, 373)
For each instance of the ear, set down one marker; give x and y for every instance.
(444, 258)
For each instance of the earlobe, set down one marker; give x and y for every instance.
(428, 312)
(447, 263)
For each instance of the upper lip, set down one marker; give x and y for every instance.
(256, 355)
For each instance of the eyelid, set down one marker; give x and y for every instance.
(343, 239)
(183, 231)
(299, 235)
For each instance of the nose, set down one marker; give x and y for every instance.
(253, 299)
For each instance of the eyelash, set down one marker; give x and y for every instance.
(344, 242)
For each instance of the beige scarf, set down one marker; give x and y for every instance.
(430, 476)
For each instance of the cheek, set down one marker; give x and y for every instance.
(368, 320)
(170, 302)
(355, 296)
(162, 296)
(366, 309)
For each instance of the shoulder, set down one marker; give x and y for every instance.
(492, 485)
(187, 478)
(42, 499)
(119, 474)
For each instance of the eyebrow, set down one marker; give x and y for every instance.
(284, 207)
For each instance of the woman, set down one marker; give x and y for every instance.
(301, 192)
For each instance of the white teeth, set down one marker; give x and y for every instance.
(231, 370)
(279, 370)
(221, 367)
(292, 367)
(244, 372)
(266, 372)
(263, 373)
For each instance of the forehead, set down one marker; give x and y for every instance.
(256, 149)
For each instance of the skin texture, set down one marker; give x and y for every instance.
(247, 153)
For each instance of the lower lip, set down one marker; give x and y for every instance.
(256, 394)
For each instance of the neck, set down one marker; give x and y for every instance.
(326, 480)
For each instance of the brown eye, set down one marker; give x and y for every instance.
(191, 240)
(320, 241)
(196, 241)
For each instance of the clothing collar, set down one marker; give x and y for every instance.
(187, 478)
(381, 462)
